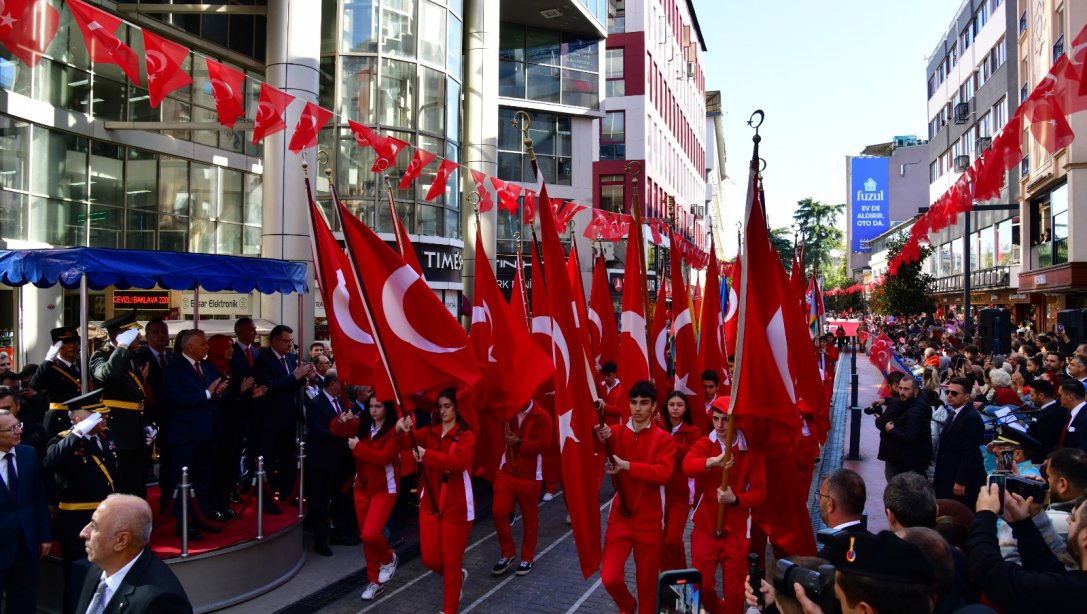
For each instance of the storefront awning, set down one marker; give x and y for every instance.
(125, 269)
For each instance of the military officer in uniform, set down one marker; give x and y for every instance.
(115, 373)
(82, 462)
(58, 377)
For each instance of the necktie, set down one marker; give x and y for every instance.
(1064, 433)
(162, 360)
(336, 404)
(12, 477)
(196, 365)
(249, 354)
(283, 359)
(98, 602)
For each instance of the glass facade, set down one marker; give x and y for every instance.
(551, 139)
(548, 66)
(394, 65)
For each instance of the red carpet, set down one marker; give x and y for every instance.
(167, 545)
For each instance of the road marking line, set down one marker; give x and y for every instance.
(430, 573)
(585, 596)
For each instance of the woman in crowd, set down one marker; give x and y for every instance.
(1001, 388)
(376, 450)
(679, 494)
(444, 451)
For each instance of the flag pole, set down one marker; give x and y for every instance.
(634, 169)
(369, 310)
(521, 272)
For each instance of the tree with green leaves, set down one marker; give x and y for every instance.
(819, 232)
(782, 240)
(908, 291)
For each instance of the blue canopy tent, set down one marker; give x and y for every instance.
(97, 268)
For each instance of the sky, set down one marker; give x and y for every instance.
(832, 77)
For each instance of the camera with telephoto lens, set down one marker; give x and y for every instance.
(874, 409)
(818, 583)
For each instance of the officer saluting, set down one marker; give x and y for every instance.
(82, 461)
(58, 377)
(123, 392)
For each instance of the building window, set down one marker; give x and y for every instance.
(548, 66)
(613, 136)
(617, 16)
(614, 73)
(612, 196)
(551, 136)
(359, 29)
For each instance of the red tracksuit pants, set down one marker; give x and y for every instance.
(372, 512)
(672, 554)
(526, 493)
(442, 543)
(730, 554)
(619, 541)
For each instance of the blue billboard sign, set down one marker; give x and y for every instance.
(869, 209)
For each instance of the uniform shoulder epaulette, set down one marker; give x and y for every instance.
(63, 434)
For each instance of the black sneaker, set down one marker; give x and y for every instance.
(502, 566)
(524, 568)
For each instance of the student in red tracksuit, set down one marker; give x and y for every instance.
(612, 404)
(680, 493)
(445, 451)
(746, 490)
(519, 478)
(376, 450)
(642, 462)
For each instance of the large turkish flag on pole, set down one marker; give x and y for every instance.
(604, 330)
(633, 353)
(658, 337)
(688, 376)
(711, 353)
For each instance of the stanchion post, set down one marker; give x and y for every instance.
(184, 512)
(855, 413)
(260, 497)
(301, 478)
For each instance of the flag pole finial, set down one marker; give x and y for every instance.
(756, 124)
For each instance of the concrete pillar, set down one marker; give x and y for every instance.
(480, 150)
(40, 310)
(293, 52)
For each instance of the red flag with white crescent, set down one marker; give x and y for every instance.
(530, 206)
(228, 89)
(441, 179)
(270, 109)
(688, 373)
(418, 162)
(310, 123)
(731, 321)
(603, 330)
(27, 27)
(711, 349)
(633, 353)
(388, 148)
(658, 338)
(480, 179)
(99, 30)
(426, 348)
(163, 62)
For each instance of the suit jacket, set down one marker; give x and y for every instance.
(281, 406)
(1076, 437)
(958, 458)
(324, 450)
(855, 529)
(194, 418)
(159, 409)
(114, 372)
(239, 407)
(149, 587)
(28, 512)
(1046, 427)
(909, 444)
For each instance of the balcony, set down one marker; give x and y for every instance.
(1049, 253)
(994, 278)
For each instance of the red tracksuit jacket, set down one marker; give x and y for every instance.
(535, 434)
(680, 487)
(448, 469)
(652, 454)
(747, 477)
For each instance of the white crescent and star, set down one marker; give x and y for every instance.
(733, 303)
(659, 345)
(482, 315)
(633, 324)
(265, 112)
(566, 428)
(392, 301)
(779, 345)
(544, 325)
(217, 86)
(6, 20)
(341, 308)
(156, 64)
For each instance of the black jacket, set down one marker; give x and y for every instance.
(1041, 585)
(958, 458)
(1046, 427)
(114, 371)
(59, 383)
(149, 587)
(1076, 437)
(281, 407)
(909, 444)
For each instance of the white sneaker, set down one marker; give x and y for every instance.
(387, 571)
(548, 496)
(372, 591)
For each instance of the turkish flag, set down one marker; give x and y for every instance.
(364, 136)
(1048, 123)
(604, 332)
(415, 167)
(348, 325)
(507, 194)
(424, 346)
(310, 123)
(403, 241)
(796, 279)
(387, 149)
(441, 178)
(99, 30)
(518, 307)
(530, 206)
(711, 350)
(658, 336)
(574, 402)
(581, 302)
(228, 89)
(163, 63)
(270, 109)
(541, 323)
(597, 225)
(688, 371)
(633, 353)
(764, 392)
(27, 27)
(480, 179)
(502, 346)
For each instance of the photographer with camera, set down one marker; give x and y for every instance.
(905, 437)
(779, 594)
(1041, 584)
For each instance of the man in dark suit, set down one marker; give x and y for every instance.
(960, 471)
(58, 377)
(237, 438)
(279, 411)
(1074, 434)
(115, 371)
(194, 386)
(157, 357)
(1046, 425)
(24, 518)
(126, 576)
(328, 462)
(81, 462)
(841, 505)
(906, 440)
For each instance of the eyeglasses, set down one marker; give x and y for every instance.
(954, 393)
(15, 428)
